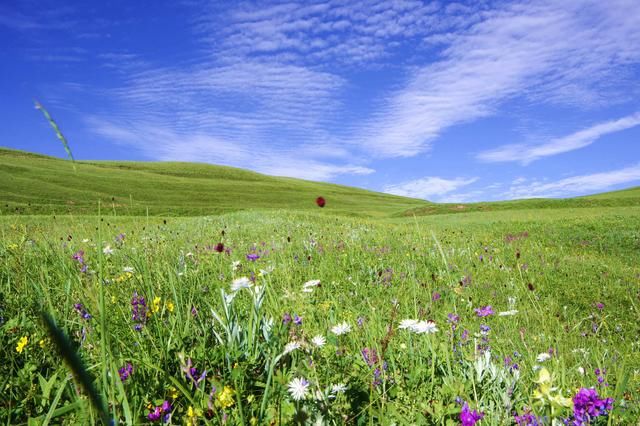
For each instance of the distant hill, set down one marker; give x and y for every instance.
(37, 184)
(622, 198)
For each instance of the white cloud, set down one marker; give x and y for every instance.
(428, 187)
(576, 185)
(550, 51)
(166, 145)
(528, 153)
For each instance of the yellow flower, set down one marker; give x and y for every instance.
(42, 343)
(170, 306)
(21, 344)
(156, 305)
(173, 392)
(225, 399)
(193, 414)
(250, 398)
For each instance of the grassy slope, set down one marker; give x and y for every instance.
(625, 198)
(36, 184)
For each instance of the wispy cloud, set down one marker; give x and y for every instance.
(576, 185)
(429, 187)
(290, 161)
(529, 153)
(548, 51)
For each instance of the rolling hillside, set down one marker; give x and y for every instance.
(37, 184)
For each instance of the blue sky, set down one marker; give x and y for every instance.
(445, 101)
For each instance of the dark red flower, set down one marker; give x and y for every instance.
(219, 247)
(320, 201)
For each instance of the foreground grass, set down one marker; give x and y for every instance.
(572, 275)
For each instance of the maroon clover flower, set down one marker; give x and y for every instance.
(320, 201)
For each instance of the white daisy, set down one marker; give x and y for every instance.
(291, 346)
(508, 313)
(543, 357)
(309, 285)
(128, 269)
(407, 324)
(318, 341)
(235, 265)
(426, 327)
(298, 388)
(240, 283)
(341, 329)
(339, 388)
(107, 250)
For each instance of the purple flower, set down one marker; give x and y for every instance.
(219, 248)
(139, 311)
(484, 311)
(79, 307)
(370, 356)
(600, 305)
(468, 417)
(435, 296)
(587, 405)
(484, 329)
(527, 419)
(286, 318)
(297, 320)
(190, 372)
(253, 257)
(157, 413)
(360, 321)
(125, 372)
(79, 256)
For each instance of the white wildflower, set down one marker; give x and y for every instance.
(407, 324)
(424, 327)
(508, 313)
(309, 285)
(128, 269)
(291, 346)
(298, 388)
(543, 357)
(419, 327)
(339, 388)
(341, 329)
(107, 250)
(240, 283)
(581, 371)
(319, 341)
(86, 240)
(235, 265)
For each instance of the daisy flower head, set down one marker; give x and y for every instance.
(543, 357)
(340, 329)
(291, 346)
(319, 341)
(338, 388)
(425, 327)
(240, 283)
(298, 388)
(407, 324)
(107, 250)
(309, 285)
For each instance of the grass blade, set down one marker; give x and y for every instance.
(58, 132)
(77, 367)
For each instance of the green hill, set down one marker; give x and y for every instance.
(624, 198)
(37, 184)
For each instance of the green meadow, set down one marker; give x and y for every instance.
(193, 294)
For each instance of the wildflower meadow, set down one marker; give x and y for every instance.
(284, 317)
